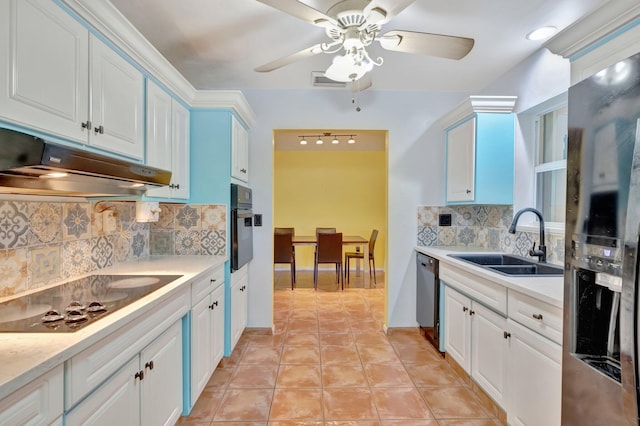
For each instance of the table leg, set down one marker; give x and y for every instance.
(367, 266)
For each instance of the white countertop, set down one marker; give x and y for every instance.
(544, 288)
(26, 356)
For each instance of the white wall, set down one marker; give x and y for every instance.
(416, 162)
(416, 175)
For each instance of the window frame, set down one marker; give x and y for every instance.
(530, 126)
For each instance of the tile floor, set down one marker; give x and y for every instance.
(330, 363)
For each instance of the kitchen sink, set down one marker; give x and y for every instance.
(508, 264)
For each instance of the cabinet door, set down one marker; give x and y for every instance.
(461, 162)
(37, 403)
(217, 325)
(238, 309)
(239, 151)
(534, 390)
(180, 151)
(43, 68)
(117, 96)
(489, 351)
(201, 342)
(116, 402)
(161, 393)
(159, 135)
(457, 327)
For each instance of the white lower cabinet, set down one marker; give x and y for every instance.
(535, 378)
(147, 390)
(239, 281)
(207, 331)
(40, 402)
(474, 338)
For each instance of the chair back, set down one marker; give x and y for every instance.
(282, 248)
(325, 231)
(329, 248)
(372, 241)
(291, 231)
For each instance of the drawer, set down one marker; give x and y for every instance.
(478, 288)
(85, 371)
(202, 288)
(536, 315)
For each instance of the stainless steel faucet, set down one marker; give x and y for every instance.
(541, 253)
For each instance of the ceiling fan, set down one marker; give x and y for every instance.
(353, 25)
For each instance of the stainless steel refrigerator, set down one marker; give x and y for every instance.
(600, 347)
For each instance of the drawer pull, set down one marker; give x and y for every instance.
(149, 365)
(537, 316)
(506, 335)
(213, 280)
(139, 375)
(465, 309)
(472, 312)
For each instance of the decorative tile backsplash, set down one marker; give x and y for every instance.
(45, 242)
(484, 226)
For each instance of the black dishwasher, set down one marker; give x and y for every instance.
(428, 298)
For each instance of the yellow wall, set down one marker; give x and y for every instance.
(345, 190)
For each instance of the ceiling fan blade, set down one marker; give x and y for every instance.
(286, 60)
(301, 11)
(440, 45)
(391, 7)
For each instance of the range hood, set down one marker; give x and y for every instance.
(31, 165)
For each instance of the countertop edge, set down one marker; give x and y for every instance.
(24, 365)
(546, 289)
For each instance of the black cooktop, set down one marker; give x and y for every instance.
(73, 305)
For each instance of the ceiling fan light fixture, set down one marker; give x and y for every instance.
(541, 33)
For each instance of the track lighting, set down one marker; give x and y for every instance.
(320, 140)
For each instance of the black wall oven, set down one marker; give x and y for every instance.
(241, 226)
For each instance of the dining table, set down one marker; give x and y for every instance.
(352, 240)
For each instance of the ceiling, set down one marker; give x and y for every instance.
(216, 44)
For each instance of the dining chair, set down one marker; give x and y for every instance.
(291, 231)
(283, 253)
(325, 231)
(328, 250)
(360, 255)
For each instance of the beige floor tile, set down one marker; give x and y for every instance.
(378, 354)
(371, 337)
(300, 355)
(302, 338)
(299, 376)
(349, 404)
(387, 375)
(468, 422)
(259, 354)
(254, 376)
(343, 375)
(206, 406)
(339, 354)
(336, 339)
(401, 403)
(409, 423)
(440, 374)
(453, 402)
(297, 404)
(220, 378)
(241, 405)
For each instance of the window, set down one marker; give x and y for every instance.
(551, 165)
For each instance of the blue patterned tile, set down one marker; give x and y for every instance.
(187, 242)
(213, 242)
(465, 216)
(102, 252)
(506, 216)
(427, 235)
(188, 218)
(122, 247)
(139, 246)
(494, 216)
(494, 239)
(161, 243)
(523, 243)
(44, 264)
(77, 222)
(165, 217)
(446, 236)
(45, 223)
(466, 236)
(481, 214)
(75, 258)
(14, 224)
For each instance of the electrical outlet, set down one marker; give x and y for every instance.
(108, 222)
(444, 219)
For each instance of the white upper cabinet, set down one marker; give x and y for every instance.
(59, 79)
(461, 162)
(168, 141)
(239, 151)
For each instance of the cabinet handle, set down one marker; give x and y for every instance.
(139, 375)
(215, 303)
(468, 191)
(86, 124)
(211, 306)
(213, 280)
(423, 264)
(472, 312)
(177, 186)
(243, 170)
(149, 365)
(99, 129)
(537, 316)
(506, 335)
(465, 309)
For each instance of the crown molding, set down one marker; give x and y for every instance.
(225, 99)
(594, 27)
(476, 104)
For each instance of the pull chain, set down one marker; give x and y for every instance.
(357, 90)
